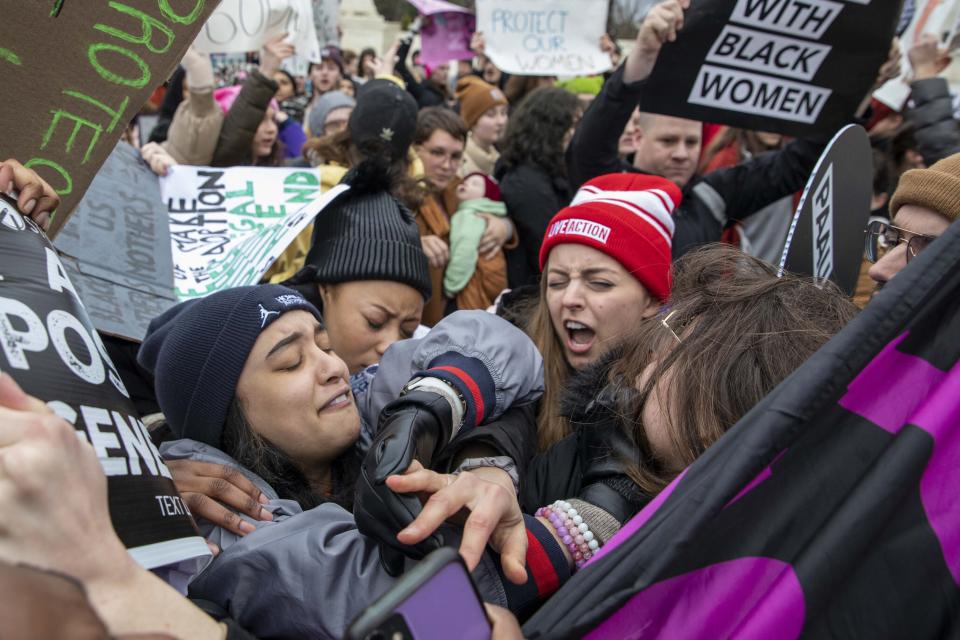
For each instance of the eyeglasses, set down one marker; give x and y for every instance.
(665, 321)
(881, 238)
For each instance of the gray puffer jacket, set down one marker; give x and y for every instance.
(307, 574)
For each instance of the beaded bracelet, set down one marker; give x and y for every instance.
(572, 530)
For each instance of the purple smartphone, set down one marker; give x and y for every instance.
(435, 600)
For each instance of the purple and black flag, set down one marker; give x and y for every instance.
(832, 510)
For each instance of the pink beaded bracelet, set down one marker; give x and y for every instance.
(572, 530)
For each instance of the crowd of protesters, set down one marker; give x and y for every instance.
(455, 323)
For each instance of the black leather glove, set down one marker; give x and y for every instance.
(606, 451)
(415, 426)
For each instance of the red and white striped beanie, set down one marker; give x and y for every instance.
(629, 217)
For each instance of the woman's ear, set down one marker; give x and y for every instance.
(324, 290)
(653, 308)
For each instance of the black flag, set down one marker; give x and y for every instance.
(830, 510)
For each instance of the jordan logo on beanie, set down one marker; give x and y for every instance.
(265, 315)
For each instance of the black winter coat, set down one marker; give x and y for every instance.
(241, 122)
(710, 202)
(935, 129)
(532, 197)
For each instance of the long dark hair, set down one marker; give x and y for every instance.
(537, 129)
(741, 329)
(257, 454)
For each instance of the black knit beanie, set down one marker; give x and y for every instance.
(367, 234)
(197, 350)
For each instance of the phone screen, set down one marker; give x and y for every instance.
(446, 606)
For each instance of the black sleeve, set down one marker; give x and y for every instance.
(514, 435)
(750, 186)
(241, 122)
(403, 71)
(551, 475)
(593, 150)
(935, 128)
(531, 203)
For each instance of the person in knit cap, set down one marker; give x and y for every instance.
(330, 113)
(926, 202)
(247, 380)
(477, 193)
(366, 269)
(484, 109)
(605, 263)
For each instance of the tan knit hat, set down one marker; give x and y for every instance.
(476, 98)
(936, 188)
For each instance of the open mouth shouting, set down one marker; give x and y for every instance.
(580, 337)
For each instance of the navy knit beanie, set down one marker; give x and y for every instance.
(197, 350)
(367, 234)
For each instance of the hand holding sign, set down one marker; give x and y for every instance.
(36, 198)
(275, 51)
(661, 25)
(927, 58)
(54, 483)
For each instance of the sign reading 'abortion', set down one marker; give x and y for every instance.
(792, 66)
(534, 38)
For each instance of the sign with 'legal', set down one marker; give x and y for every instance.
(791, 66)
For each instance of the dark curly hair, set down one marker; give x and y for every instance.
(537, 130)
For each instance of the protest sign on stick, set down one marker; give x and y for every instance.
(445, 31)
(51, 348)
(73, 79)
(533, 38)
(789, 66)
(116, 247)
(826, 237)
(227, 226)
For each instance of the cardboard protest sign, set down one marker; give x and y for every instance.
(50, 347)
(790, 66)
(936, 17)
(533, 38)
(326, 20)
(826, 238)
(116, 247)
(75, 78)
(245, 25)
(445, 31)
(227, 226)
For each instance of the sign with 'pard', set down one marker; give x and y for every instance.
(826, 237)
(791, 66)
(535, 38)
(76, 72)
(50, 347)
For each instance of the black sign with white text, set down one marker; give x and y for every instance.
(790, 66)
(51, 348)
(826, 237)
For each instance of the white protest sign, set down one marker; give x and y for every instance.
(238, 26)
(535, 38)
(227, 226)
(935, 17)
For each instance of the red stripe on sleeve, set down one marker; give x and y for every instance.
(538, 562)
(472, 386)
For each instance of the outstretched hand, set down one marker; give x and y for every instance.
(494, 514)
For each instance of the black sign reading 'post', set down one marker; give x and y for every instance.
(50, 347)
(791, 66)
(826, 236)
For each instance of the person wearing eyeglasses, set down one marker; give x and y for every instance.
(925, 203)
